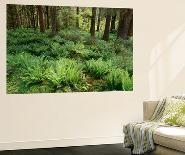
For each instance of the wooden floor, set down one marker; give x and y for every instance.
(111, 149)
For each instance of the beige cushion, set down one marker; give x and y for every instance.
(148, 109)
(171, 137)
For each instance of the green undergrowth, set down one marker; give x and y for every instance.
(71, 61)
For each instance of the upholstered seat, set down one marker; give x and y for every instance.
(168, 140)
(171, 137)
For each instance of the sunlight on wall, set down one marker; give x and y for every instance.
(167, 61)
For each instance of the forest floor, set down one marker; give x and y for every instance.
(71, 61)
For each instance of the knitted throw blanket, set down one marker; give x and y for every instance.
(139, 136)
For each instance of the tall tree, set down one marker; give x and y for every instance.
(107, 25)
(28, 16)
(130, 31)
(93, 22)
(113, 23)
(47, 17)
(57, 19)
(77, 17)
(37, 19)
(12, 16)
(41, 18)
(32, 15)
(99, 19)
(54, 20)
(20, 12)
(124, 23)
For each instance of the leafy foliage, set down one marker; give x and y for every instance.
(119, 79)
(67, 62)
(65, 71)
(75, 35)
(98, 68)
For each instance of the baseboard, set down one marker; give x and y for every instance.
(65, 142)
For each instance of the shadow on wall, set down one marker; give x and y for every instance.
(167, 65)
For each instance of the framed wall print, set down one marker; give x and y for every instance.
(53, 49)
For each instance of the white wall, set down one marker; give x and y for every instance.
(48, 120)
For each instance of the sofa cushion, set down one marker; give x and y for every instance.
(171, 137)
(174, 112)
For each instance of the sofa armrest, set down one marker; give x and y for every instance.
(148, 109)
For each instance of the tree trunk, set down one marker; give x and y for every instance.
(124, 23)
(33, 16)
(57, 20)
(37, 19)
(47, 17)
(18, 24)
(20, 16)
(41, 18)
(54, 20)
(130, 32)
(113, 23)
(99, 20)
(107, 26)
(77, 18)
(93, 22)
(28, 18)
(12, 21)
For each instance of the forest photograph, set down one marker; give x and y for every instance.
(57, 49)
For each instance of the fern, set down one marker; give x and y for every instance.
(98, 68)
(119, 79)
(65, 72)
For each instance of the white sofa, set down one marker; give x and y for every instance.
(168, 140)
